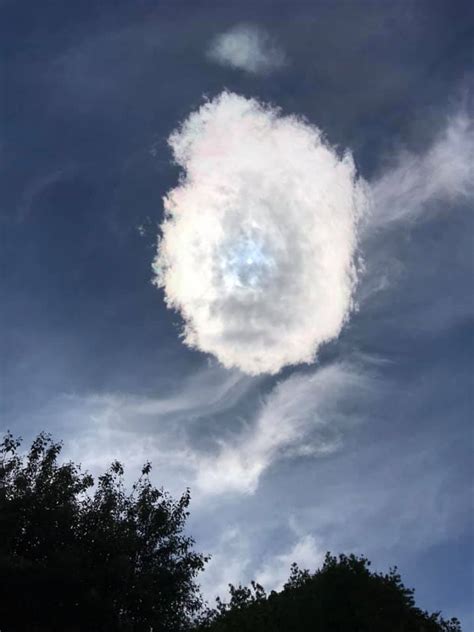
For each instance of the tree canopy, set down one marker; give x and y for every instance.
(84, 556)
(74, 556)
(343, 596)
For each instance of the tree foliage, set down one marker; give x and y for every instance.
(343, 596)
(74, 556)
(78, 555)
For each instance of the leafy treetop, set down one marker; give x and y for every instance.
(74, 557)
(343, 596)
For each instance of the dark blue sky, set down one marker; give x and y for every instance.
(89, 350)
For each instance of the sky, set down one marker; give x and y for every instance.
(237, 241)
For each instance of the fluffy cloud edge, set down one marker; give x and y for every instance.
(256, 253)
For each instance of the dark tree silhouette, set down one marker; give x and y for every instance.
(74, 557)
(343, 596)
(77, 557)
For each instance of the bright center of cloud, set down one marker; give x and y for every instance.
(257, 248)
(245, 263)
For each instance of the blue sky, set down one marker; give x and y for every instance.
(366, 449)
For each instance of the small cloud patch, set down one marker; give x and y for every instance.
(248, 48)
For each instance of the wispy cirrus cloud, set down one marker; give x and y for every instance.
(443, 174)
(306, 414)
(302, 415)
(414, 188)
(101, 427)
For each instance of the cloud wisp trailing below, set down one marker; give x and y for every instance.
(302, 416)
(248, 48)
(258, 245)
(306, 414)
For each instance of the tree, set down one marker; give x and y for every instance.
(76, 557)
(343, 596)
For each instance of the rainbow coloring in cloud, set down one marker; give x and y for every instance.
(258, 244)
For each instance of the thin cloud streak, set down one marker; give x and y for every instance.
(414, 188)
(300, 417)
(303, 415)
(443, 174)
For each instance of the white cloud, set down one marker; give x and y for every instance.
(336, 504)
(301, 416)
(233, 561)
(416, 187)
(306, 552)
(229, 564)
(443, 174)
(99, 428)
(248, 48)
(258, 243)
(391, 499)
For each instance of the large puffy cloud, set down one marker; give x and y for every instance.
(247, 48)
(258, 245)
